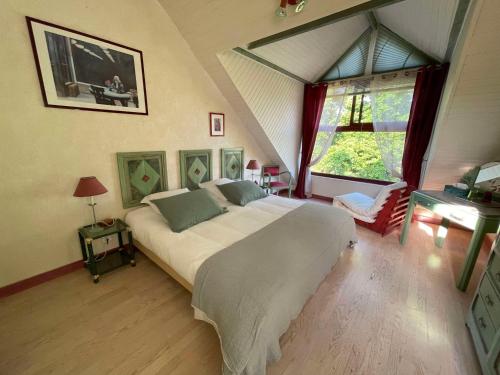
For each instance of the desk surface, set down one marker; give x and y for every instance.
(474, 208)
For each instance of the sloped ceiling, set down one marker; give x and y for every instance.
(309, 55)
(426, 24)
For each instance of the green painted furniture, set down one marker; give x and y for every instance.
(231, 163)
(195, 167)
(141, 174)
(109, 261)
(483, 318)
(480, 218)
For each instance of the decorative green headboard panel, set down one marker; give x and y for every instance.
(231, 163)
(196, 167)
(141, 174)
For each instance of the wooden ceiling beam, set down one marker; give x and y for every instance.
(458, 21)
(269, 64)
(372, 19)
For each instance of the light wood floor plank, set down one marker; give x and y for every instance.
(384, 309)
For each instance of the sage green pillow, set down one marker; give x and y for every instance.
(182, 211)
(242, 192)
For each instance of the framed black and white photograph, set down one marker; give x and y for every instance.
(216, 124)
(81, 71)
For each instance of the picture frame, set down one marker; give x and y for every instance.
(141, 174)
(217, 124)
(81, 71)
(232, 163)
(195, 167)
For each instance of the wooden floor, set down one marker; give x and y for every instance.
(383, 309)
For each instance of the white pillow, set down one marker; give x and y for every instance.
(211, 186)
(162, 194)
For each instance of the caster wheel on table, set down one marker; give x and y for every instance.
(95, 279)
(132, 263)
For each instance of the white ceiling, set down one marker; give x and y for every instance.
(310, 54)
(424, 23)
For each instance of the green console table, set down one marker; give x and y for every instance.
(481, 218)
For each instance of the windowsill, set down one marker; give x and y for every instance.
(350, 178)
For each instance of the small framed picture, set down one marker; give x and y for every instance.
(216, 124)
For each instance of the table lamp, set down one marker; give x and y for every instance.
(89, 187)
(253, 165)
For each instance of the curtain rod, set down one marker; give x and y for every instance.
(372, 76)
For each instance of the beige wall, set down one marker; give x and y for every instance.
(45, 150)
(275, 100)
(468, 126)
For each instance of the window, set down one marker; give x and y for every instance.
(359, 148)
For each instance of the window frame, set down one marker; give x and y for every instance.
(355, 127)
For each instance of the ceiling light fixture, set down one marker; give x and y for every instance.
(299, 6)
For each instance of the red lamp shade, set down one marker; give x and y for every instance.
(253, 165)
(88, 187)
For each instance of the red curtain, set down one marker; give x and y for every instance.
(314, 99)
(426, 97)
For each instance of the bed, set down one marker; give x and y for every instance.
(184, 252)
(250, 270)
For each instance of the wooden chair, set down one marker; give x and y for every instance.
(271, 179)
(393, 206)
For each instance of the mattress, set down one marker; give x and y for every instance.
(186, 251)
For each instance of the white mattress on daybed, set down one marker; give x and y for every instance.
(186, 251)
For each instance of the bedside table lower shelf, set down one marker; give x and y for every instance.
(111, 260)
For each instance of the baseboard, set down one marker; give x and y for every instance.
(39, 279)
(33, 281)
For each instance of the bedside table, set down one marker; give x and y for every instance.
(124, 255)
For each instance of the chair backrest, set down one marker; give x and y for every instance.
(271, 169)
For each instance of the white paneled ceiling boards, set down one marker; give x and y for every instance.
(403, 34)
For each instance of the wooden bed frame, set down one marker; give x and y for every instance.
(164, 266)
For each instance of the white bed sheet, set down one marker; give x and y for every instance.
(186, 251)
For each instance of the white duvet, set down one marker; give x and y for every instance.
(186, 251)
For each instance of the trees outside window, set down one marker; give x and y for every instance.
(357, 149)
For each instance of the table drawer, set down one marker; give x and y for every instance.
(491, 300)
(483, 322)
(462, 218)
(494, 269)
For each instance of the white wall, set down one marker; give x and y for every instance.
(274, 99)
(45, 150)
(468, 126)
